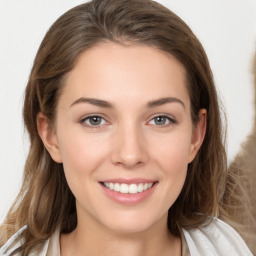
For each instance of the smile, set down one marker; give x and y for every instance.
(128, 192)
(128, 188)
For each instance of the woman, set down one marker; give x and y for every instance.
(126, 154)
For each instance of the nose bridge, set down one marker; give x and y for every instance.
(130, 149)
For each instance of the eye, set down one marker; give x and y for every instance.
(93, 121)
(161, 120)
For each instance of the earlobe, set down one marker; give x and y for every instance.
(48, 137)
(198, 134)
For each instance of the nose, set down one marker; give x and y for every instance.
(129, 147)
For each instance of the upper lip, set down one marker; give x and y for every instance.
(129, 181)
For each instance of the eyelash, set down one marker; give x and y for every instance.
(83, 121)
(171, 121)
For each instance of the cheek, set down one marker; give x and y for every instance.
(172, 156)
(81, 153)
(81, 157)
(173, 152)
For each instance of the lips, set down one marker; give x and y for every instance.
(128, 191)
(128, 188)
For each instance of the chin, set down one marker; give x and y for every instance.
(131, 223)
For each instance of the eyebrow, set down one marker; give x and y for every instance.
(106, 104)
(162, 101)
(93, 101)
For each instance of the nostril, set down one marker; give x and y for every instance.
(129, 153)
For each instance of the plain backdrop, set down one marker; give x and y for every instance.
(226, 28)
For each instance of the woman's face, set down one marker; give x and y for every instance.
(124, 135)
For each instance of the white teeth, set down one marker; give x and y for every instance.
(140, 187)
(125, 188)
(133, 189)
(111, 186)
(117, 187)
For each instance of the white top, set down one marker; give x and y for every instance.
(216, 239)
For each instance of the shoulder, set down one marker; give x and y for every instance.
(215, 239)
(16, 241)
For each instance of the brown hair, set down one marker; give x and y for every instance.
(45, 200)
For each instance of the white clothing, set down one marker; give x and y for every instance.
(216, 239)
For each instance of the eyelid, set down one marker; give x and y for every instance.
(83, 119)
(171, 119)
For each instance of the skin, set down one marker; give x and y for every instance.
(127, 143)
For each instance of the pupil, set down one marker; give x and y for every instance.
(95, 120)
(160, 120)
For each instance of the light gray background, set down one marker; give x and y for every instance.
(226, 28)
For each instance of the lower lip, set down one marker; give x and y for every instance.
(126, 198)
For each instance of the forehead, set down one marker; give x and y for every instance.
(117, 72)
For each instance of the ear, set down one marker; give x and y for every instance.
(48, 137)
(198, 134)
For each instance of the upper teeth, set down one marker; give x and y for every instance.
(125, 188)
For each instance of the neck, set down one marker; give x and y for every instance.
(93, 239)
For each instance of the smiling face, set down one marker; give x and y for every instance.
(124, 134)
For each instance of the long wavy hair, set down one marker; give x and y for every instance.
(45, 200)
